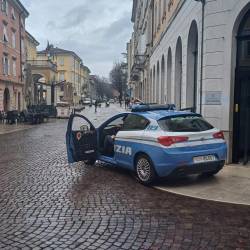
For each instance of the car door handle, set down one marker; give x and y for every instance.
(236, 108)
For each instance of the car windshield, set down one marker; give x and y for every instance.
(184, 124)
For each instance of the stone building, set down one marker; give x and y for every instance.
(41, 75)
(199, 57)
(85, 81)
(12, 53)
(70, 70)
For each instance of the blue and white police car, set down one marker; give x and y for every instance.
(153, 141)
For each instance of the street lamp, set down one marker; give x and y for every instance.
(203, 2)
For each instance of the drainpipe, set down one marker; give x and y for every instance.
(203, 2)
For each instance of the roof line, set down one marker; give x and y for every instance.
(21, 7)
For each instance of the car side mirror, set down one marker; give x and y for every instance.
(84, 128)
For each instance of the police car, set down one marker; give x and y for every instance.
(153, 141)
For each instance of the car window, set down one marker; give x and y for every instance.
(184, 124)
(135, 122)
(79, 124)
(117, 122)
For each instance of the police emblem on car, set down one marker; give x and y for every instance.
(154, 141)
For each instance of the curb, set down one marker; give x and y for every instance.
(14, 131)
(200, 198)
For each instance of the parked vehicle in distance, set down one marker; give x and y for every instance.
(134, 102)
(87, 101)
(154, 141)
(63, 110)
(111, 101)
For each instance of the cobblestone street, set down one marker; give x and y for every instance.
(47, 204)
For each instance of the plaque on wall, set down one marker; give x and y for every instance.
(213, 98)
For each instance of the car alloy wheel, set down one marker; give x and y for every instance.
(145, 171)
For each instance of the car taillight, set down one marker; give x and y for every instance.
(219, 135)
(170, 140)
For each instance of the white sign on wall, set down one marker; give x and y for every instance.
(213, 98)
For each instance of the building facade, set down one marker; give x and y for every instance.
(92, 93)
(85, 81)
(139, 49)
(70, 70)
(12, 53)
(41, 75)
(200, 58)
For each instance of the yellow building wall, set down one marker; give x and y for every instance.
(31, 51)
(72, 71)
(167, 9)
(70, 66)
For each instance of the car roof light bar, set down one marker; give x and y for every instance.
(152, 107)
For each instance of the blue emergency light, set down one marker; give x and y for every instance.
(152, 107)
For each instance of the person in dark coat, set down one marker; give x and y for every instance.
(96, 105)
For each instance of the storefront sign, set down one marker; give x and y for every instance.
(213, 98)
(1, 100)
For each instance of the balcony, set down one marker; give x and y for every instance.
(42, 64)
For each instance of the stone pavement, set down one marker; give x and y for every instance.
(231, 185)
(46, 203)
(7, 129)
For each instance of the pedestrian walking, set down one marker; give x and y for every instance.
(120, 101)
(96, 105)
(126, 103)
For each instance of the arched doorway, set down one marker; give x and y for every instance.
(169, 76)
(178, 73)
(241, 140)
(6, 100)
(163, 80)
(192, 66)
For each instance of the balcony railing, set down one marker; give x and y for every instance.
(42, 64)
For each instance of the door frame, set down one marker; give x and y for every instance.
(239, 73)
(69, 138)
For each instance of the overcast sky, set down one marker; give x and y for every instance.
(96, 30)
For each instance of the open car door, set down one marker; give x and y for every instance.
(81, 140)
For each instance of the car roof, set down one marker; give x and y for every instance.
(159, 114)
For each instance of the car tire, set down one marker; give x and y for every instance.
(90, 162)
(145, 171)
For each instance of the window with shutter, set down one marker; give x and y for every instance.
(22, 46)
(14, 68)
(4, 6)
(5, 65)
(62, 78)
(3, 62)
(7, 8)
(22, 22)
(8, 67)
(5, 34)
(13, 14)
(13, 40)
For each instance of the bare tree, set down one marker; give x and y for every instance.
(118, 77)
(103, 87)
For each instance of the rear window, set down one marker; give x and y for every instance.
(184, 124)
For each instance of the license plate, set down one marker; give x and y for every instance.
(206, 158)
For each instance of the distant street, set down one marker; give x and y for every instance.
(45, 203)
